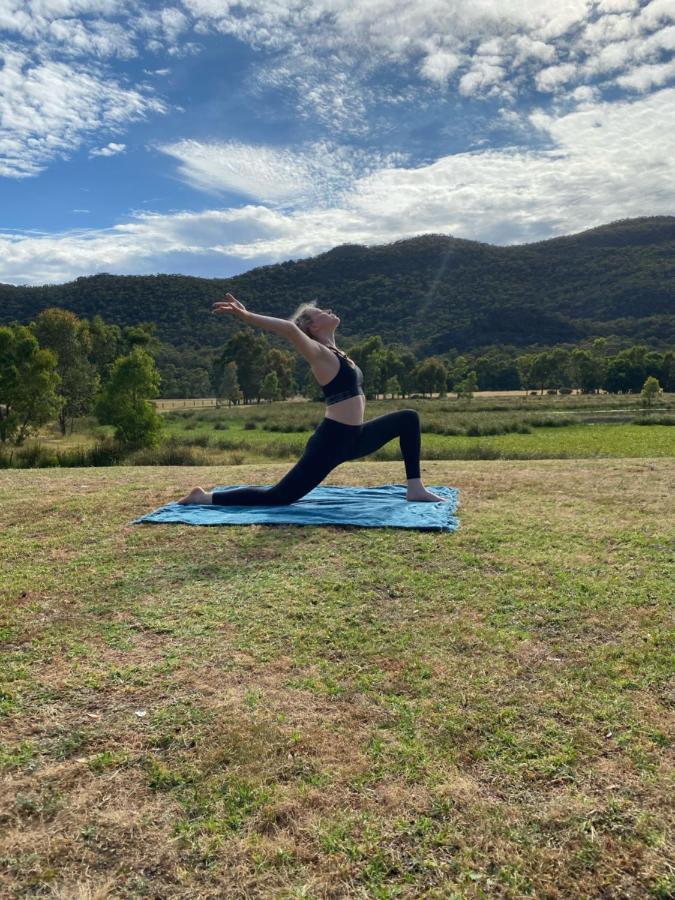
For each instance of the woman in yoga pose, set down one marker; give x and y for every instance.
(342, 435)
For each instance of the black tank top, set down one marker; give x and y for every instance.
(347, 383)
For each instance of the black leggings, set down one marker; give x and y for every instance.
(331, 444)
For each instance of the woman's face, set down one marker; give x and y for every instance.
(324, 320)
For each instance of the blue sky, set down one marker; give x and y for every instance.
(206, 137)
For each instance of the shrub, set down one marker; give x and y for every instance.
(231, 444)
(35, 457)
(250, 426)
(655, 420)
(170, 454)
(200, 440)
(280, 449)
(551, 422)
(105, 453)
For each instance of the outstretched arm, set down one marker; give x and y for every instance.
(267, 323)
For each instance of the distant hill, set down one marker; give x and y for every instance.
(431, 293)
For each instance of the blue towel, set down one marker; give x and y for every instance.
(369, 507)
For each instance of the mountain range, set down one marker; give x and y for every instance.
(433, 293)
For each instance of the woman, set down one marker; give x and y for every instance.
(342, 435)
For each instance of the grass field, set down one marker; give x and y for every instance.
(325, 713)
(519, 427)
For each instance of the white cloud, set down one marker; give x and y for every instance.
(314, 175)
(110, 150)
(331, 54)
(643, 78)
(656, 12)
(551, 78)
(610, 28)
(527, 49)
(482, 75)
(585, 93)
(618, 6)
(55, 25)
(484, 49)
(266, 174)
(439, 65)
(47, 108)
(605, 162)
(55, 84)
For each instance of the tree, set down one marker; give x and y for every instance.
(650, 391)
(431, 376)
(282, 363)
(496, 371)
(586, 370)
(249, 350)
(124, 400)
(392, 386)
(668, 371)
(466, 389)
(28, 384)
(270, 387)
(543, 371)
(627, 370)
(142, 335)
(404, 368)
(525, 366)
(458, 370)
(228, 386)
(69, 338)
(105, 345)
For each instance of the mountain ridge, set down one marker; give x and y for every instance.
(432, 292)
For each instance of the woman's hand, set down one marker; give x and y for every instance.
(230, 305)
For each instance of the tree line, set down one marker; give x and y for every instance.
(61, 367)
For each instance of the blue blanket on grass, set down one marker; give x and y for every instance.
(368, 507)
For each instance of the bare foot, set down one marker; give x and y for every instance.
(196, 495)
(422, 495)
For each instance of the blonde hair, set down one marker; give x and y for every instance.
(302, 319)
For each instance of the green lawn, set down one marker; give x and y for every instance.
(320, 712)
(577, 441)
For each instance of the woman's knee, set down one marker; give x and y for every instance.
(410, 415)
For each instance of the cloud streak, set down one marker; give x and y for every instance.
(316, 174)
(111, 149)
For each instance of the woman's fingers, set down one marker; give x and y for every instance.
(230, 304)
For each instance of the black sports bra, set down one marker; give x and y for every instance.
(347, 383)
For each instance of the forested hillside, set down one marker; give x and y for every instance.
(433, 293)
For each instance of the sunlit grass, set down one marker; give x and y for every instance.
(320, 712)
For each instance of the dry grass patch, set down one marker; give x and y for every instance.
(255, 712)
